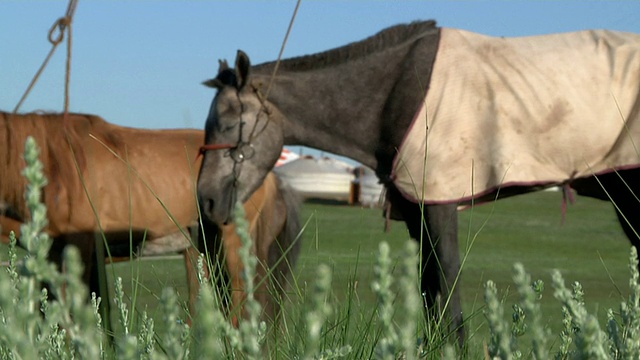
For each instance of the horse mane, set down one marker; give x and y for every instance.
(392, 36)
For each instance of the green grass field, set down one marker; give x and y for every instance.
(589, 247)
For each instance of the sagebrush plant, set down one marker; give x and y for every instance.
(68, 325)
(582, 337)
(33, 325)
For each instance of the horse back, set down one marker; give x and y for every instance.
(102, 176)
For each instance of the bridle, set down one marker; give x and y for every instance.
(241, 150)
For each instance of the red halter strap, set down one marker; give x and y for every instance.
(205, 148)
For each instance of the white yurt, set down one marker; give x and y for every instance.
(318, 178)
(370, 188)
(286, 156)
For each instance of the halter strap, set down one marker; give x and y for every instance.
(204, 148)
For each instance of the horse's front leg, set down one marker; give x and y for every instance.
(442, 225)
(235, 267)
(191, 255)
(435, 227)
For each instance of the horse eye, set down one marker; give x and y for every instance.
(227, 128)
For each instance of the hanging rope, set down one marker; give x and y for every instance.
(70, 11)
(263, 99)
(284, 44)
(56, 36)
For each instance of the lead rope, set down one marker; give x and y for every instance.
(64, 24)
(67, 79)
(263, 99)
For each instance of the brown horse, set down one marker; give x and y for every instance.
(130, 185)
(272, 212)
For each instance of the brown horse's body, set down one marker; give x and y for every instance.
(130, 184)
(102, 176)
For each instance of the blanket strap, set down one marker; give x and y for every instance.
(567, 193)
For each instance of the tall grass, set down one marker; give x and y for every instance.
(68, 325)
(582, 336)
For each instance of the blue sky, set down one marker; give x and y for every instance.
(140, 63)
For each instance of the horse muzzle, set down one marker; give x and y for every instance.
(218, 209)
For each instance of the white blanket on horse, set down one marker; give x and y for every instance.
(522, 111)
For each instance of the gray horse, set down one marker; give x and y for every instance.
(446, 118)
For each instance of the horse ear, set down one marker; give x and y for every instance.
(213, 83)
(222, 65)
(243, 65)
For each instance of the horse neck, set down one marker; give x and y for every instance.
(359, 108)
(337, 109)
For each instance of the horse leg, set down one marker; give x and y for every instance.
(621, 190)
(626, 201)
(212, 240)
(91, 247)
(7, 225)
(208, 242)
(98, 280)
(94, 273)
(441, 262)
(270, 277)
(232, 243)
(282, 256)
(442, 225)
(262, 212)
(629, 221)
(435, 227)
(283, 244)
(191, 255)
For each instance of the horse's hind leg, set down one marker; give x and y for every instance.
(627, 211)
(623, 191)
(624, 194)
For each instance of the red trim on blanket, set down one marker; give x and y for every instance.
(468, 199)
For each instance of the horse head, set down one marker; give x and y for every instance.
(243, 141)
